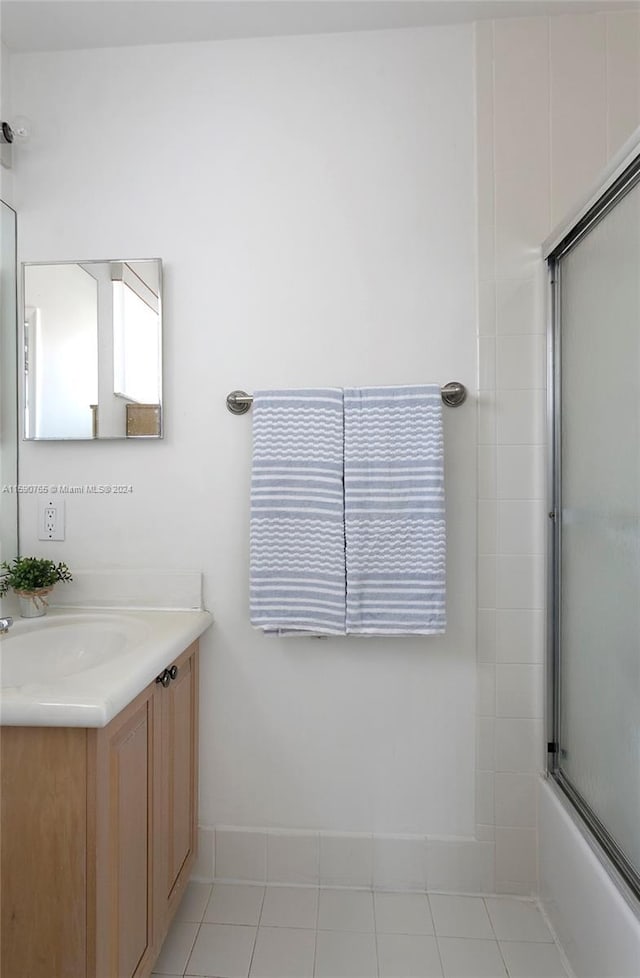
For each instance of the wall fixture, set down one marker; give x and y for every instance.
(19, 131)
(453, 394)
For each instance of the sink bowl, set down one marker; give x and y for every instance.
(53, 649)
(79, 667)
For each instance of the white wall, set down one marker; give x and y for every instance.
(313, 201)
(556, 99)
(8, 453)
(6, 176)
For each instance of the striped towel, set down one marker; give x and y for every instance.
(394, 511)
(297, 512)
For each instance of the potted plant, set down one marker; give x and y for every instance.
(32, 579)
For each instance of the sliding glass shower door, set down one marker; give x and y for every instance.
(595, 747)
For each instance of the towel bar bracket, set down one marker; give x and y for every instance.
(239, 402)
(453, 394)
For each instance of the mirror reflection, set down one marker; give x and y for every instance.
(93, 349)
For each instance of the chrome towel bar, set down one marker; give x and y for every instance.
(453, 394)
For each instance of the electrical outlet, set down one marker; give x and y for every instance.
(50, 518)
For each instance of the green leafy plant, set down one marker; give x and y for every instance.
(28, 574)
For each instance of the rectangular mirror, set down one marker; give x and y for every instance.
(92, 349)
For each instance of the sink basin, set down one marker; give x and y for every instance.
(53, 649)
(79, 667)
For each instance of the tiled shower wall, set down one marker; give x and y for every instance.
(556, 98)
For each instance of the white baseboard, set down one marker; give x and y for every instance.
(385, 862)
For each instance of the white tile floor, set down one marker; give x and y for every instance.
(245, 931)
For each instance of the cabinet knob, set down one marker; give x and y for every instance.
(173, 672)
(164, 678)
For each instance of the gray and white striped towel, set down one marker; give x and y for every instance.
(297, 512)
(394, 511)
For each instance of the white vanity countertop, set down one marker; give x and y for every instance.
(78, 667)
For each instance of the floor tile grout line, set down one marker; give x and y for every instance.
(255, 936)
(531, 901)
(435, 934)
(375, 932)
(493, 931)
(193, 944)
(315, 945)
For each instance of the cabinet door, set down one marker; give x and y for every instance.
(43, 871)
(126, 839)
(180, 775)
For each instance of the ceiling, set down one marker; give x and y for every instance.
(56, 25)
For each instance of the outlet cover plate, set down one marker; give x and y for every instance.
(50, 517)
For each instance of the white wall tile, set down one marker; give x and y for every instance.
(346, 860)
(516, 856)
(518, 691)
(520, 581)
(511, 888)
(518, 746)
(486, 635)
(520, 635)
(519, 305)
(487, 308)
(486, 582)
(241, 854)
(484, 121)
(521, 361)
(521, 98)
(460, 867)
(521, 526)
(399, 863)
(522, 223)
(487, 526)
(520, 418)
(293, 857)
(521, 471)
(623, 77)
(486, 252)
(486, 418)
(485, 744)
(203, 868)
(578, 107)
(486, 689)
(486, 362)
(487, 472)
(485, 833)
(485, 797)
(515, 800)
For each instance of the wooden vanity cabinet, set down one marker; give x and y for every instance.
(98, 835)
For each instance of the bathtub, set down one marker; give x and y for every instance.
(596, 919)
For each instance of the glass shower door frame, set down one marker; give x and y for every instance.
(623, 180)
